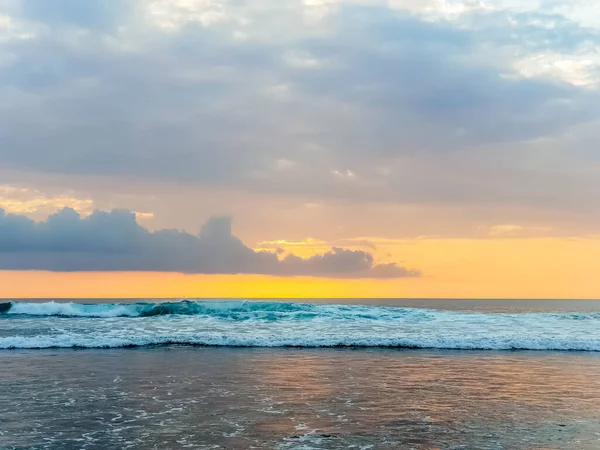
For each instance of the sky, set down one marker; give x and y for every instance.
(300, 148)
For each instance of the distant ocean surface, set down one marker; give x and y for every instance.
(318, 374)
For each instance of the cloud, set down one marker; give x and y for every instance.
(91, 14)
(511, 231)
(114, 241)
(309, 100)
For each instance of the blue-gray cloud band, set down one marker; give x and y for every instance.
(114, 241)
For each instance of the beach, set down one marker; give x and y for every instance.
(185, 397)
(171, 395)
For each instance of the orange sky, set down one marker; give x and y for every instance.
(452, 268)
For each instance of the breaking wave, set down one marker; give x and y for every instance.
(185, 308)
(287, 324)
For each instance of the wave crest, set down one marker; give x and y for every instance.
(285, 324)
(506, 343)
(184, 308)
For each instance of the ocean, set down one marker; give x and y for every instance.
(318, 374)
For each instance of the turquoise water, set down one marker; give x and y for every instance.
(29, 325)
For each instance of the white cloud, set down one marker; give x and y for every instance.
(579, 69)
(511, 230)
(284, 164)
(440, 9)
(170, 15)
(344, 175)
(10, 30)
(303, 61)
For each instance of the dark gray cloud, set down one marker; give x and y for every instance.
(114, 241)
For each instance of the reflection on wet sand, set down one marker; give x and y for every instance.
(429, 394)
(299, 398)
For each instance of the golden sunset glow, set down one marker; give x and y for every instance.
(453, 268)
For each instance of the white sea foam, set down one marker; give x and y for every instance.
(72, 309)
(496, 343)
(278, 324)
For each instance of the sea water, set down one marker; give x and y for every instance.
(289, 375)
(288, 324)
